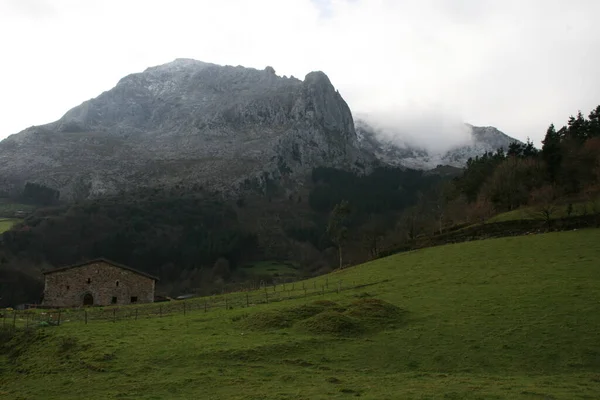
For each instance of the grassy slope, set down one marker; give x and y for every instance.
(559, 211)
(510, 318)
(7, 223)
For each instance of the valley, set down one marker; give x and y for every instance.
(299, 200)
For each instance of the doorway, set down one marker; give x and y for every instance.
(88, 300)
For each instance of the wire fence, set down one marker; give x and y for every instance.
(278, 292)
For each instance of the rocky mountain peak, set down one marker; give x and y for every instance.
(188, 121)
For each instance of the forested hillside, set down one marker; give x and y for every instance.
(565, 170)
(197, 241)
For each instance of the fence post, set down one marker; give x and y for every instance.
(114, 315)
(85, 312)
(58, 321)
(247, 302)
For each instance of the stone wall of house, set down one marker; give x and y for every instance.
(107, 284)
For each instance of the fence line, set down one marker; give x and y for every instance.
(33, 318)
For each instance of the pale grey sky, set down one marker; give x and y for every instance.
(515, 64)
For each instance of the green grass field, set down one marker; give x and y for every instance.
(560, 211)
(7, 223)
(509, 318)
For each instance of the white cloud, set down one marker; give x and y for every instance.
(516, 65)
(434, 129)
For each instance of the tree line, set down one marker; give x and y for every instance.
(566, 166)
(566, 170)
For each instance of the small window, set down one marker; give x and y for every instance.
(117, 283)
(134, 299)
(68, 287)
(114, 300)
(89, 280)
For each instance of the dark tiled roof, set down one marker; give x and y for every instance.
(104, 260)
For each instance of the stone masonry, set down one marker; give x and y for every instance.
(97, 282)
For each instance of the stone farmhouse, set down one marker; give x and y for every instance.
(97, 282)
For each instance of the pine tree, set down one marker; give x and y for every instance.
(551, 152)
(578, 128)
(594, 123)
(337, 228)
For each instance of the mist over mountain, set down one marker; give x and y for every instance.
(424, 141)
(423, 128)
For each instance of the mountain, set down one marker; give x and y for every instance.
(399, 152)
(189, 122)
(222, 128)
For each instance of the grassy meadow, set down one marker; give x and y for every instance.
(7, 223)
(558, 211)
(509, 318)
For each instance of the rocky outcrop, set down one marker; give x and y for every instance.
(189, 122)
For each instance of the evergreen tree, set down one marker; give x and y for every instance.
(515, 149)
(577, 128)
(529, 149)
(594, 123)
(551, 152)
(337, 229)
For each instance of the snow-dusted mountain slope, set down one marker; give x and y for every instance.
(398, 151)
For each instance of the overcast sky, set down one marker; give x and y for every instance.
(515, 64)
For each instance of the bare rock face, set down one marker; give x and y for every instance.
(188, 122)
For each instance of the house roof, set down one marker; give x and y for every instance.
(104, 260)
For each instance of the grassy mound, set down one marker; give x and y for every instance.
(332, 323)
(284, 318)
(374, 309)
(360, 316)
